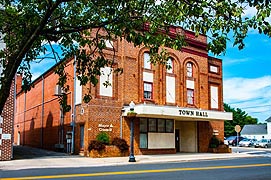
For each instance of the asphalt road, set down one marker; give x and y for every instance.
(256, 168)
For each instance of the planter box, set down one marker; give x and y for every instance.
(110, 151)
(220, 149)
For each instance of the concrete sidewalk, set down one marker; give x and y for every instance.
(61, 160)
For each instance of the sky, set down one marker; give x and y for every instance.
(247, 76)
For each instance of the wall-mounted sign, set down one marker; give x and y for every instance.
(146, 110)
(105, 127)
(193, 113)
(6, 136)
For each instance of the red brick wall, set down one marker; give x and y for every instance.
(37, 120)
(41, 128)
(7, 127)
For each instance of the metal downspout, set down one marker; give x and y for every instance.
(24, 118)
(42, 113)
(74, 109)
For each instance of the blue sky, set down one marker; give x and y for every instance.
(247, 76)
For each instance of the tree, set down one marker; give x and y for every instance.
(30, 27)
(239, 118)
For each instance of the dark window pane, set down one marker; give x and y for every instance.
(152, 125)
(143, 140)
(143, 125)
(161, 125)
(169, 126)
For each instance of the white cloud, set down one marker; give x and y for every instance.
(229, 61)
(249, 11)
(250, 95)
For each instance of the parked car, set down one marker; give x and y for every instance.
(226, 141)
(247, 142)
(229, 140)
(264, 143)
(234, 142)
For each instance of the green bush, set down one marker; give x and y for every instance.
(121, 144)
(214, 142)
(96, 145)
(103, 137)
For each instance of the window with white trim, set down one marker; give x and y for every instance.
(190, 96)
(106, 82)
(213, 69)
(78, 95)
(147, 62)
(189, 69)
(170, 89)
(148, 90)
(169, 65)
(214, 97)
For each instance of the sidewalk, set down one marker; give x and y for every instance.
(60, 160)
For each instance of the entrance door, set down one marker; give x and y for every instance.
(82, 134)
(177, 140)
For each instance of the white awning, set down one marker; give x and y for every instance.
(178, 113)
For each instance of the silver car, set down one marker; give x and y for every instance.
(264, 143)
(247, 142)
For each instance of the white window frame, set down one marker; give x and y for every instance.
(189, 69)
(106, 75)
(147, 62)
(170, 63)
(190, 96)
(148, 89)
(170, 89)
(214, 97)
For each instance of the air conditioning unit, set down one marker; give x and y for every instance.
(59, 91)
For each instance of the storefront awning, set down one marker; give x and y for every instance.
(177, 113)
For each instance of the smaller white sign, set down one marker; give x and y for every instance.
(6, 136)
(1, 119)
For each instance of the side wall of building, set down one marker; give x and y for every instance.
(6, 127)
(38, 121)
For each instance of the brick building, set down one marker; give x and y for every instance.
(6, 127)
(178, 110)
(6, 118)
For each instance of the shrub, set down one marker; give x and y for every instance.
(121, 144)
(214, 142)
(96, 145)
(103, 137)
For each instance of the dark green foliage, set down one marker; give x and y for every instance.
(121, 144)
(103, 137)
(214, 142)
(239, 118)
(96, 145)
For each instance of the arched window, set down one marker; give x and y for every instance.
(189, 69)
(169, 65)
(147, 62)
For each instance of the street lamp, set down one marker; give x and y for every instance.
(132, 115)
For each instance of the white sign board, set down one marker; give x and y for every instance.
(6, 136)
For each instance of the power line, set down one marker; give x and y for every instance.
(255, 106)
